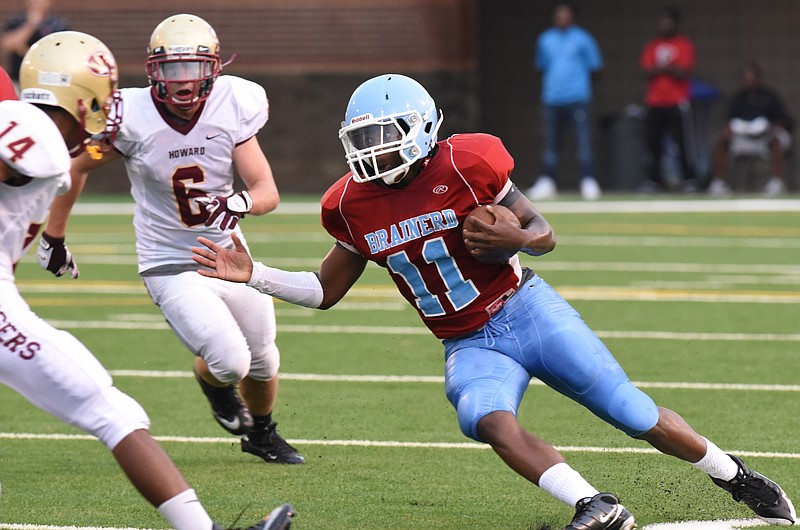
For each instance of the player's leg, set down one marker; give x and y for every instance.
(672, 435)
(255, 315)
(55, 372)
(195, 309)
(486, 388)
(565, 354)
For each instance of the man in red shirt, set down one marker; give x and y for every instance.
(668, 61)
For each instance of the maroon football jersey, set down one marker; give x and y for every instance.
(416, 232)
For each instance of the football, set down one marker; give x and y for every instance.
(490, 217)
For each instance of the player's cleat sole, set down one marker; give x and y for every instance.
(601, 512)
(227, 408)
(271, 447)
(280, 518)
(760, 494)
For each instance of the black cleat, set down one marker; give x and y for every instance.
(279, 519)
(601, 512)
(227, 407)
(269, 445)
(760, 494)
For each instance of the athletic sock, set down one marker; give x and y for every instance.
(716, 463)
(566, 484)
(185, 512)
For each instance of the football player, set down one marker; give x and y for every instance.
(181, 141)
(68, 84)
(402, 206)
(6, 86)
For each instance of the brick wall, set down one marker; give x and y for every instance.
(474, 56)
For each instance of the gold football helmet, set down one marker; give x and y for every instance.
(77, 72)
(183, 49)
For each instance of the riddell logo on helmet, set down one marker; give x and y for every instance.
(363, 117)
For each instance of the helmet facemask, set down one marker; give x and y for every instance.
(369, 143)
(197, 71)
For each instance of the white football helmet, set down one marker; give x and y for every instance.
(183, 49)
(77, 72)
(390, 113)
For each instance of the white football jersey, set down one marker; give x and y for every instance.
(170, 165)
(30, 143)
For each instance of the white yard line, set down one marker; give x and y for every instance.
(604, 206)
(383, 443)
(421, 330)
(437, 379)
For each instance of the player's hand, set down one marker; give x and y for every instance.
(505, 235)
(232, 265)
(229, 209)
(54, 256)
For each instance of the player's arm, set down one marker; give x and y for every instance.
(253, 167)
(260, 197)
(53, 254)
(534, 235)
(338, 272)
(539, 236)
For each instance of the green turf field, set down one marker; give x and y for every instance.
(701, 308)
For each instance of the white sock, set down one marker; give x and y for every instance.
(716, 463)
(566, 484)
(185, 512)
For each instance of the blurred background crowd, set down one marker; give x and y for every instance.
(478, 58)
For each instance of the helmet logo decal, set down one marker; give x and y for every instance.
(440, 189)
(39, 95)
(100, 64)
(180, 48)
(54, 79)
(363, 117)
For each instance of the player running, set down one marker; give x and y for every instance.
(69, 81)
(402, 206)
(182, 140)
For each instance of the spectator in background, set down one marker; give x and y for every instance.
(23, 29)
(668, 61)
(568, 58)
(758, 124)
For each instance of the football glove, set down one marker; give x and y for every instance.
(54, 256)
(230, 209)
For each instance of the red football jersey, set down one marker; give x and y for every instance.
(415, 232)
(6, 87)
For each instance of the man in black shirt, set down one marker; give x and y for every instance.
(758, 125)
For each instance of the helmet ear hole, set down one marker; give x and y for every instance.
(428, 127)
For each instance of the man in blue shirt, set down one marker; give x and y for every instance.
(568, 57)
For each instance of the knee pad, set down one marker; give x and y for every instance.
(229, 369)
(468, 417)
(265, 365)
(111, 415)
(631, 410)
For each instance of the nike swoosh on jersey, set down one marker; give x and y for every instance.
(212, 136)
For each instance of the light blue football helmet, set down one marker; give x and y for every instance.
(387, 114)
